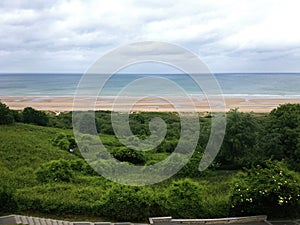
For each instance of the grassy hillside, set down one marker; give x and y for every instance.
(23, 148)
(39, 175)
(28, 146)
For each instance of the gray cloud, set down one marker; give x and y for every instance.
(230, 36)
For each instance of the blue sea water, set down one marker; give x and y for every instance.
(235, 84)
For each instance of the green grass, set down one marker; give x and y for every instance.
(28, 146)
(25, 148)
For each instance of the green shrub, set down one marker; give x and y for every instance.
(82, 166)
(6, 116)
(64, 142)
(281, 139)
(55, 171)
(34, 116)
(237, 150)
(184, 199)
(84, 122)
(216, 206)
(61, 199)
(124, 154)
(130, 203)
(17, 114)
(273, 190)
(6, 199)
(167, 146)
(191, 169)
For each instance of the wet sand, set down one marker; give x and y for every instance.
(62, 104)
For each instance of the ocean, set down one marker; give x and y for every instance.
(267, 85)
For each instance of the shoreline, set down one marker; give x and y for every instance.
(149, 104)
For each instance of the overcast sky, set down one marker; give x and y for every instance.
(228, 35)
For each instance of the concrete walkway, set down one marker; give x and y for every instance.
(28, 220)
(251, 220)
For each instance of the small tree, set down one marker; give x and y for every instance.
(6, 116)
(239, 141)
(281, 138)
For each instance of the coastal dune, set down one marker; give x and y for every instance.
(148, 104)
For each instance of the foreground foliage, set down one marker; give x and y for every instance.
(270, 190)
(254, 173)
(6, 116)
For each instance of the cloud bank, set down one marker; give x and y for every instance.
(229, 35)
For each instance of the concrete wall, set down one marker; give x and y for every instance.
(251, 220)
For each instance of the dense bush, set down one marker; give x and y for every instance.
(130, 203)
(191, 169)
(273, 190)
(63, 120)
(6, 115)
(55, 171)
(84, 122)
(64, 142)
(184, 199)
(240, 138)
(6, 199)
(33, 116)
(281, 136)
(17, 114)
(124, 154)
(82, 167)
(61, 199)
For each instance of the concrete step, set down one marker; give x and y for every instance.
(48, 221)
(122, 223)
(30, 220)
(67, 223)
(82, 223)
(18, 219)
(36, 221)
(43, 221)
(11, 219)
(55, 222)
(102, 223)
(24, 220)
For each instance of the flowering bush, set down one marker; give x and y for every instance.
(273, 190)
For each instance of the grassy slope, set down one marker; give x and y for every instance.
(25, 147)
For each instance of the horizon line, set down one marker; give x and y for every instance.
(136, 73)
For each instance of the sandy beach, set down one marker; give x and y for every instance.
(62, 104)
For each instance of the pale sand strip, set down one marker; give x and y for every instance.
(61, 104)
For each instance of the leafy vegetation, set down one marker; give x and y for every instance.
(33, 116)
(281, 138)
(6, 116)
(269, 190)
(54, 171)
(239, 141)
(256, 171)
